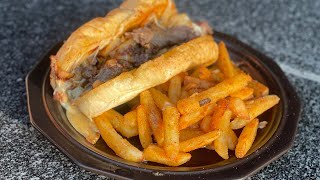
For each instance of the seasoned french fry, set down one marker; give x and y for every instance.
(186, 134)
(220, 145)
(174, 91)
(224, 62)
(259, 89)
(238, 108)
(118, 122)
(205, 73)
(193, 117)
(130, 119)
(255, 108)
(217, 75)
(213, 94)
(200, 141)
(221, 120)
(232, 139)
(246, 138)
(184, 93)
(221, 116)
(143, 127)
(205, 124)
(244, 94)
(192, 82)
(171, 117)
(119, 145)
(160, 99)
(156, 154)
(154, 116)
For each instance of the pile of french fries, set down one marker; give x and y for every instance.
(197, 109)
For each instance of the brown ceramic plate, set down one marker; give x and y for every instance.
(49, 118)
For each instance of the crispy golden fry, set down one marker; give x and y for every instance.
(221, 116)
(244, 94)
(199, 141)
(255, 108)
(160, 99)
(224, 62)
(221, 120)
(216, 74)
(192, 82)
(143, 127)
(238, 108)
(213, 94)
(119, 145)
(156, 154)
(186, 134)
(205, 73)
(220, 145)
(246, 138)
(205, 124)
(174, 91)
(154, 116)
(118, 122)
(130, 120)
(184, 93)
(232, 139)
(259, 89)
(171, 117)
(191, 118)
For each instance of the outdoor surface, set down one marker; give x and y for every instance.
(287, 31)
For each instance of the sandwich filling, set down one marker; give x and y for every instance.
(129, 52)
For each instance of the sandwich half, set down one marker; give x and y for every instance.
(110, 60)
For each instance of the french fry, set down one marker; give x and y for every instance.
(205, 124)
(238, 108)
(174, 91)
(244, 94)
(193, 117)
(255, 108)
(184, 93)
(205, 73)
(217, 75)
(199, 141)
(154, 116)
(118, 122)
(214, 93)
(259, 89)
(192, 82)
(156, 154)
(246, 138)
(171, 131)
(221, 116)
(160, 99)
(130, 120)
(118, 144)
(224, 62)
(143, 127)
(232, 139)
(220, 145)
(186, 134)
(221, 120)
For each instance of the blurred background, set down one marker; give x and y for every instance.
(285, 30)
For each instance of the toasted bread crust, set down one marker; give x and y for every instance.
(97, 33)
(202, 50)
